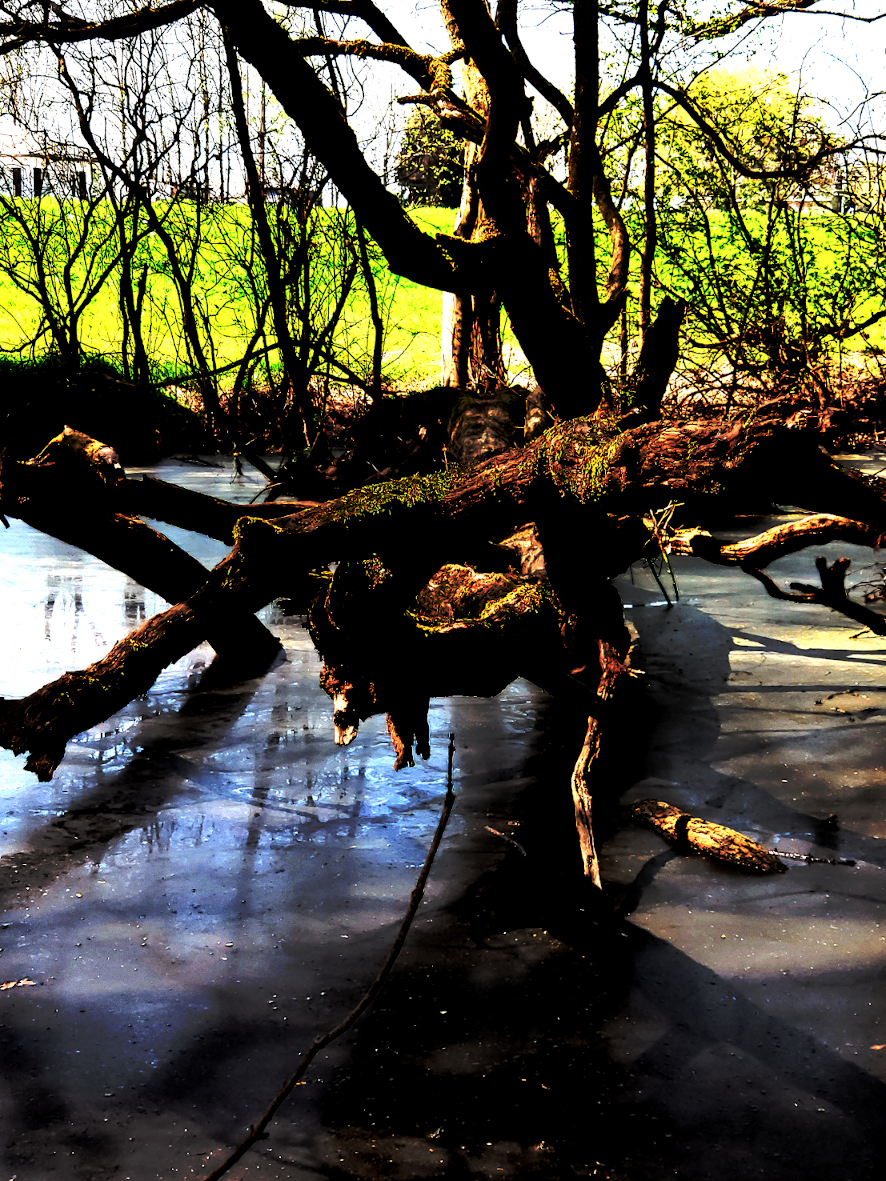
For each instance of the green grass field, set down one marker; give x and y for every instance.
(220, 287)
(43, 234)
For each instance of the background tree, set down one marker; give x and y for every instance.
(430, 163)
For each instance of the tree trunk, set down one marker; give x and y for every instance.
(472, 349)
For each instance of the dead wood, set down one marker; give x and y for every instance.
(527, 550)
(484, 423)
(46, 720)
(582, 479)
(463, 632)
(657, 359)
(691, 834)
(756, 552)
(585, 774)
(69, 491)
(778, 542)
(195, 511)
(831, 593)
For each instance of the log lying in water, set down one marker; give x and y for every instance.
(704, 837)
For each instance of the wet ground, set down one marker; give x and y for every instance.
(208, 882)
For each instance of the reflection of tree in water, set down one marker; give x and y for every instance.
(65, 592)
(133, 604)
(63, 588)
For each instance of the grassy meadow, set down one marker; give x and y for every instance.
(814, 274)
(220, 284)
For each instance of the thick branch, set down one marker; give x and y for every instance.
(586, 772)
(774, 543)
(692, 834)
(368, 12)
(506, 20)
(658, 357)
(269, 48)
(430, 72)
(187, 509)
(44, 722)
(67, 493)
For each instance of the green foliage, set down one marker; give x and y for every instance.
(430, 165)
(778, 270)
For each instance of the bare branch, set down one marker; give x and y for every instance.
(721, 26)
(802, 167)
(774, 543)
(365, 10)
(69, 29)
(832, 593)
(433, 73)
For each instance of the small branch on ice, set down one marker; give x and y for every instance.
(504, 836)
(814, 860)
(832, 593)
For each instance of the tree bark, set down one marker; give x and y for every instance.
(472, 319)
(582, 479)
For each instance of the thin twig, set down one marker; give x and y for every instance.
(504, 836)
(256, 1131)
(818, 860)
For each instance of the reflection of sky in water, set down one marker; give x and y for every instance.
(201, 860)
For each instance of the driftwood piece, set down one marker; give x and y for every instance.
(691, 834)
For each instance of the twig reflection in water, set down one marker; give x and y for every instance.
(257, 1131)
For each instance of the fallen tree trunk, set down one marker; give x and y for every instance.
(187, 509)
(46, 720)
(597, 495)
